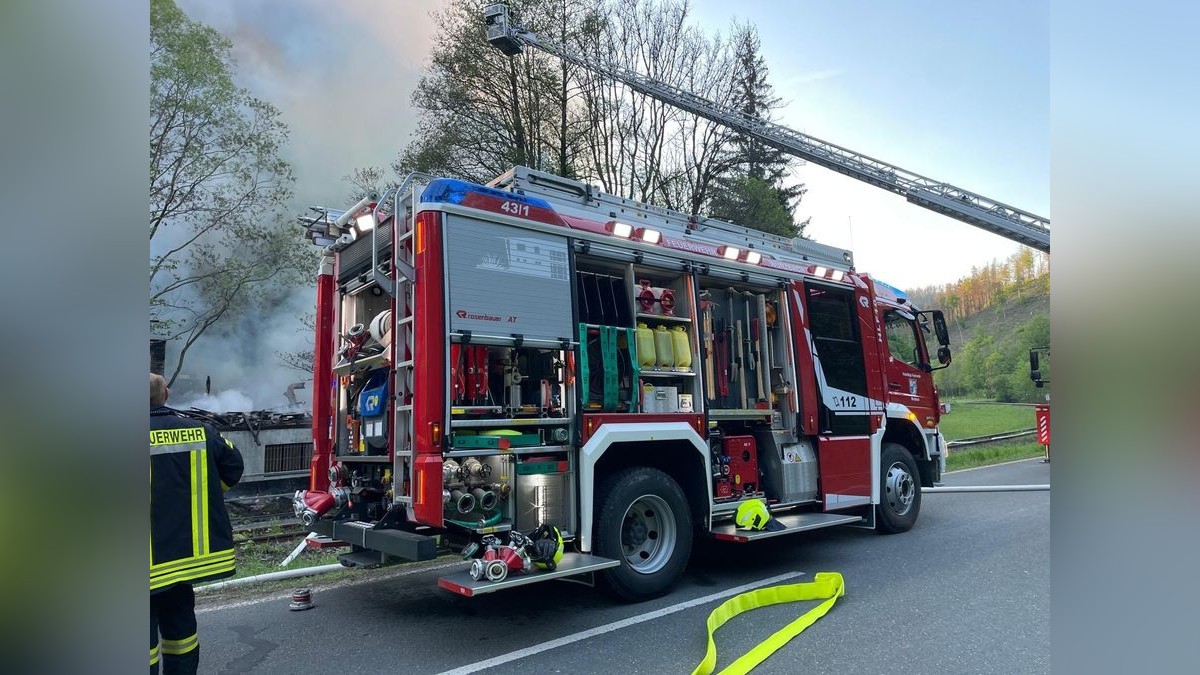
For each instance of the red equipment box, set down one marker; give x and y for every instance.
(743, 462)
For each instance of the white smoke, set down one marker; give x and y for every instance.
(226, 401)
(322, 65)
(237, 362)
(340, 73)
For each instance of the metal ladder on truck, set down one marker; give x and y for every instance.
(969, 207)
(401, 288)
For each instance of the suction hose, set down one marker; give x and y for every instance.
(486, 499)
(463, 501)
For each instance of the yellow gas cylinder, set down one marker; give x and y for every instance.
(663, 349)
(682, 346)
(645, 345)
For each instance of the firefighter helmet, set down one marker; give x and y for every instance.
(752, 515)
(547, 547)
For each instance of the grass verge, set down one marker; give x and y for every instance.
(971, 420)
(257, 557)
(993, 454)
(280, 589)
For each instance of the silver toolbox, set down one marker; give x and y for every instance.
(788, 465)
(544, 498)
(660, 399)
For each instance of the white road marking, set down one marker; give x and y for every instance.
(988, 466)
(339, 584)
(616, 625)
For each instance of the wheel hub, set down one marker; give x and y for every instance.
(635, 531)
(648, 534)
(901, 489)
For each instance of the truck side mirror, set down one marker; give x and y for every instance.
(944, 355)
(943, 333)
(1035, 373)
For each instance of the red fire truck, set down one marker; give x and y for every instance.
(492, 358)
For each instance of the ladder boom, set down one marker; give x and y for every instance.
(996, 217)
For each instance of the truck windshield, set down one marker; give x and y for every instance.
(902, 338)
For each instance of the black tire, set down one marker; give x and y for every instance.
(653, 544)
(899, 490)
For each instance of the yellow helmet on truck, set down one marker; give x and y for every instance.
(547, 547)
(752, 514)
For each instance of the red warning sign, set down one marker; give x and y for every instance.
(1043, 424)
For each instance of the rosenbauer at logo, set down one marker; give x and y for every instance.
(464, 314)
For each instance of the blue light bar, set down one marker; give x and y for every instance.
(899, 293)
(452, 191)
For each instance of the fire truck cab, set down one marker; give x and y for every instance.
(492, 358)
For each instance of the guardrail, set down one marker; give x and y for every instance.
(962, 442)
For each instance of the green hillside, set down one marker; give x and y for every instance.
(995, 316)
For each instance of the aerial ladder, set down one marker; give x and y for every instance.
(996, 217)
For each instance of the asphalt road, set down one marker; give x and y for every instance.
(965, 591)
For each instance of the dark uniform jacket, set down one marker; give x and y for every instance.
(191, 465)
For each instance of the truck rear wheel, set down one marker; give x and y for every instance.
(643, 521)
(899, 490)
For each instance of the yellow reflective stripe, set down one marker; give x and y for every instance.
(163, 568)
(189, 574)
(151, 511)
(224, 487)
(827, 586)
(205, 543)
(195, 479)
(176, 647)
(154, 655)
(176, 448)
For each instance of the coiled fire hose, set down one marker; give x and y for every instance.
(827, 586)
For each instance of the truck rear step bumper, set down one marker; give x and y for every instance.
(794, 522)
(571, 564)
(397, 543)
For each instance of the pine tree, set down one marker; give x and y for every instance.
(759, 170)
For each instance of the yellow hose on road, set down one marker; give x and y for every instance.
(827, 586)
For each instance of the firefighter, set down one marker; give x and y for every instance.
(191, 539)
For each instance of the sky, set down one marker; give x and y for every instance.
(958, 92)
(955, 91)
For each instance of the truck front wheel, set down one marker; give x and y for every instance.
(899, 490)
(643, 521)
